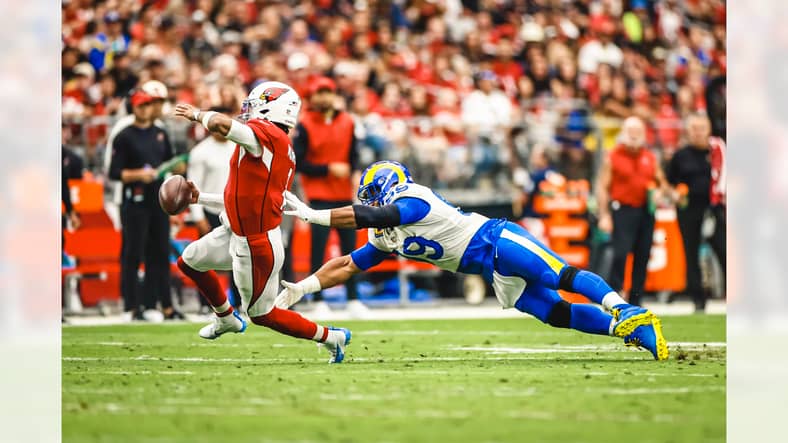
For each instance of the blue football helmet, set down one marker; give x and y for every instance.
(379, 181)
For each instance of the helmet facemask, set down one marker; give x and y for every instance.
(369, 194)
(249, 107)
(378, 191)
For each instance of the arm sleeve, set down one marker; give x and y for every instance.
(368, 256)
(386, 216)
(404, 211)
(196, 170)
(214, 201)
(300, 146)
(118, 162)
(244, 136)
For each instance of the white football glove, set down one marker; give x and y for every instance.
(296, 208)
(290, 295)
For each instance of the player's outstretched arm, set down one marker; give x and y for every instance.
(213, 121)
(333, 272)
(355, 216)
(222, 124)
(214, 201)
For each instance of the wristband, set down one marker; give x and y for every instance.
(196, 115)
(310, 284)
(321, 217)
(207, 118)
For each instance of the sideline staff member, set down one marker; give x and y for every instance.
(623, 188)
(326, 159)
(692, 166)
(137, 151)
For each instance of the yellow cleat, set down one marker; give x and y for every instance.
(630, 318)
(650, 337)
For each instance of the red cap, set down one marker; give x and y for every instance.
(321, 83)
(141, 97)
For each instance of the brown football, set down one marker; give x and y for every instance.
(174, 195)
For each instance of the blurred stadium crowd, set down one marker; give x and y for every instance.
(460, 90)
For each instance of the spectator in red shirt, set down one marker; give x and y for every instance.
(506, 68)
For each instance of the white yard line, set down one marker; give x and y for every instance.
(496, 350)
(656, 391)
(142, 372)
(439, 312)
(182, 409)
(351, 359)
(252, 344)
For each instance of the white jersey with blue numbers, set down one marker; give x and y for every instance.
(440, 237)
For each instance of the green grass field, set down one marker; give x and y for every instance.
(403, 381)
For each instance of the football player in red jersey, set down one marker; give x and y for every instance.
(249, 241)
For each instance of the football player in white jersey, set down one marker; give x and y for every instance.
(411, 220)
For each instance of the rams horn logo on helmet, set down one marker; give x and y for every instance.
(272, 94)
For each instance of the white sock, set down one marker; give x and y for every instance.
(610, 328)
(611, 300)
(319, 333)
(223, 308)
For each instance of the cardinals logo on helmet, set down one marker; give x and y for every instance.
(272, 94)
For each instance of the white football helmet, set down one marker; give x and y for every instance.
(272, 101)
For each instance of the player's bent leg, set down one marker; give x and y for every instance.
(590, 285)
(546, 305)
(590, 319)
(260, 281)
(628, 317)
(519, 253)
(293, 324)
(227, 319)
(198, 262)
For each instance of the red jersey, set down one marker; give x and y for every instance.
(717, 154)
(254, 194)
(330, 141)
(633, 173)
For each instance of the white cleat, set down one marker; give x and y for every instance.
(358, 310)
(222, 325)
(338, 339)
